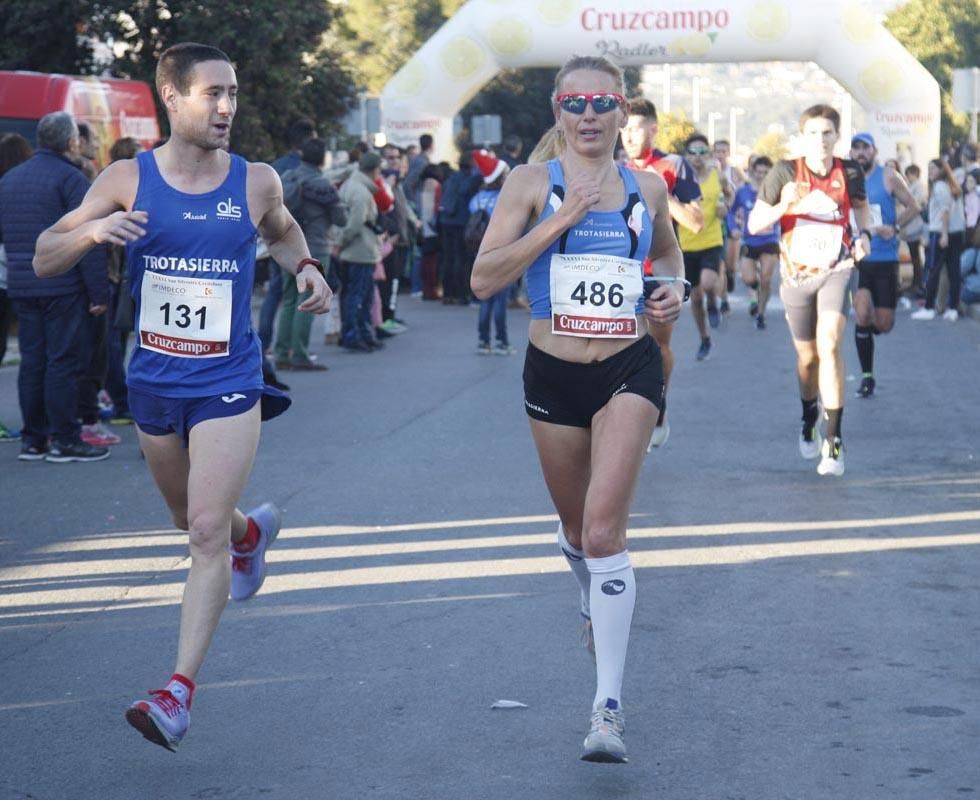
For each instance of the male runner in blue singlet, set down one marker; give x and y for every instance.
(188, 214)
(877, 293)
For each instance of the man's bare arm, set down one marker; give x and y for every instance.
(689, 215)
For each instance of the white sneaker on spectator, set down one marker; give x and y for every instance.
(951, 315)
(924, 313)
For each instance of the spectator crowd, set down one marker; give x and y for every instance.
(385, 224)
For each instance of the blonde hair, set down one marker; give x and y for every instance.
(552, 144)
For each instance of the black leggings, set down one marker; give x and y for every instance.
(938, 257)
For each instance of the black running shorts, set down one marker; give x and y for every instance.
(569, 393)
(697, 260)
(755, 252)
(881, 279)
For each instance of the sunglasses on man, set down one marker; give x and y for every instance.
(697, 151)
(601, 103)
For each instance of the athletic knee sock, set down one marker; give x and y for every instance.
(811, 410)
(864, 339)
(576, 560)
(613, 596)
(832, 416)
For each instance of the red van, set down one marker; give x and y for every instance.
(113, 108)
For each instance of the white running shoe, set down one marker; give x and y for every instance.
(951, 315)
(924, 314)
(660, 435)
(604, 744)
(165, 718)
(810, 446)
(248, 569)
(831, 458)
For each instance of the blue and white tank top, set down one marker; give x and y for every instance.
(191, 279)
(882, 205)
(627, 233)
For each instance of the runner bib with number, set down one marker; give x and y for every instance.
(595, 295)
(815, 244)
(185, 317)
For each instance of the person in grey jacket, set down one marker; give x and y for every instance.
(360, 251)
(320, 208)
(52, 313)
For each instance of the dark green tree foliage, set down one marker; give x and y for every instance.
(283, 69)
(523, 100)
(377, 37)
(944, 35)
(43, 35)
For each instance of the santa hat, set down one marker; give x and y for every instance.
(383, 197)
(489, 165)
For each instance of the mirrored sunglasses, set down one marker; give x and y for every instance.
(697, 151)
(601, 103)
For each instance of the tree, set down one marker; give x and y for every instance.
(673, 130)
(29, 40)
(944, 35)
(284, 68)
(773, 144)
(523, 100)
(377, 37)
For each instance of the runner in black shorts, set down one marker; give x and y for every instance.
(877, 289)
(581, 227)
(704, 250)
(812, 198)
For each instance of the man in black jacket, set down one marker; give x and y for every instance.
(51, 313)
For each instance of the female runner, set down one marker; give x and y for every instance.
(580, 226)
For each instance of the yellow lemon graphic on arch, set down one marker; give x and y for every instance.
(882, 79)
(767, 20)
(694, 44)
(555, 12)
(462, 57)
(410, 79)
(858, 24)
(509, 36)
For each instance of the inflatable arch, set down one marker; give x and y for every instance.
(486, 36)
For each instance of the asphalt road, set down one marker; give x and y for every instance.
(794, 637)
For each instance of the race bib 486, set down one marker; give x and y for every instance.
(595, 296)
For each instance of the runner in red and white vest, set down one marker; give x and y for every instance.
(812, 199)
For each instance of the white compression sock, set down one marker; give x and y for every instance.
(576, 560)
(613, 596)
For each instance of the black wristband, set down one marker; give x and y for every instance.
(865, 232)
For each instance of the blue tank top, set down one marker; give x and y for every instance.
(878, 196)
(627, 233)
(196, 265)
